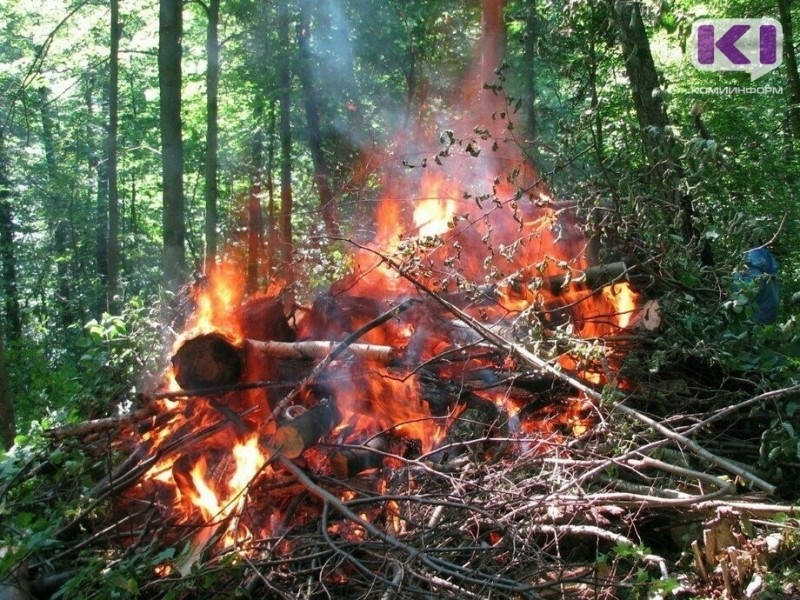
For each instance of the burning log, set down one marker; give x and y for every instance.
(208, 361)
(212, 360)
(593, 277)
(352, 461)
(293, 438)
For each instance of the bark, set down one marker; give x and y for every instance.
(8, 262)
(296, 436)
(651, 114)
(98, 167)
(529, 52)
(285, 98)
(212, 360)
(58, 212)
(7, 420)
(594, 277)
(113, 250)
(352, 461)
(321, 172)
(208, 361)
(790, 57)
(212, 131)
(169, 79)
(255, 225)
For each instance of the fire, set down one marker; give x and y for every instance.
(217, 300)
(249, 461)
(474, 224)
(624, 300)
(434, 210)
(201, 495)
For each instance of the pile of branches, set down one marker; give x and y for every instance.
(633, 506)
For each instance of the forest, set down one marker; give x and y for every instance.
(399, 299)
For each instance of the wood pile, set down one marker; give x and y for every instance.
(503, 503)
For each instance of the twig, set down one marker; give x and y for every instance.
(600, 533)
(397, 569)
(439, 565)
(720, 461)
(724, 412)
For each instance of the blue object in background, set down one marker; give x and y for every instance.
(762, 268)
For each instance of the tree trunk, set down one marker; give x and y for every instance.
(529, 53)
(411, 75)
(98, 168)
(785, 16)
(212, 131)
(169, 79)
(8, 428)
(285, 97)
(493, 38)
(112, 265)
(321, 173)
(7, 258)
(652, 117)
(255, 221)
(59, 211)
(272, 233)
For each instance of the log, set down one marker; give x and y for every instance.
(206, 361)
(594, 277)
(293, 438)
(352, 461)
(213, 360)
(312, 350)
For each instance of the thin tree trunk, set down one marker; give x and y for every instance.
(212, 131)
(652, 117)
(272, 233)
(321, 173)
(98, 167)
(7, 258)
(529, 52)
(169, 79)
(112, 287)
(255, 226)
(785, 16)
(285, 97)
(412, 76)
(8, 427)
(493, 38)
(59, 213)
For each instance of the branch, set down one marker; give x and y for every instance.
(533, 360)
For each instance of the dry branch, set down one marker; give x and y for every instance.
(539, 363)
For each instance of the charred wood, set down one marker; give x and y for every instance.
(208, 361)
(293, 438)
(352, 461)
